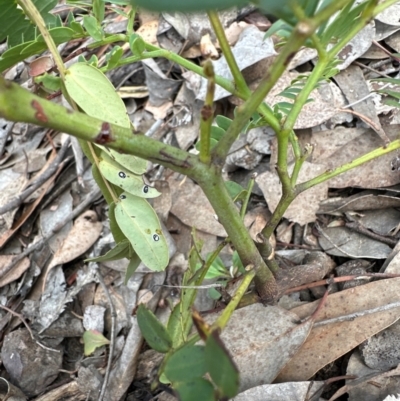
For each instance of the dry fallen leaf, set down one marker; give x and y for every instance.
(328, 342)
(83, 235)
(16, 272)
(262, 340)
(302, 210)
(192, 207)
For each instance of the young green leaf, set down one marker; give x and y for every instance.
(132, 163)
(113, 172)
(223, 122)
(153, 331)
(92, 339)
(186, 364)
(195, 390)
(132, 266)
(95, 94)
(118, 235)
(220, 366)
(120, 250)
(139, 222)
(93, 27)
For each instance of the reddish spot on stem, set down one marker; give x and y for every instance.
(40, 114)
(105, 134)
(206, 112)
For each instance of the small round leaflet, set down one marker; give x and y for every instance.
(139, 222)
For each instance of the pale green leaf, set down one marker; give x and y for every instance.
(139, 222)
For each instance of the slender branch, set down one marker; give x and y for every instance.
(348, 166)
(240, 83)
(223, 320)
(302, 31)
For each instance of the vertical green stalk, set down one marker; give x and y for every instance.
(214, 188)
(240, 83)
(207, 114)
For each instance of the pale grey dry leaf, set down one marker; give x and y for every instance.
(93, 318)
(352, 83)
(11, 184)
(365, 200)
(293, 391)
(302, 210)
(341, 241)
(84, 233)
(186, 117)
(56, 295)
(336, 147)
(261, 341)
(394, 41)
(383, 30)
(383, 221)
(52, 215)
(357, 46)
(382, 351)
(328, 342)
(390, 15)
(249, 49)
(125, 366)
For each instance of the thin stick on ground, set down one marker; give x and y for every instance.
(112, 335)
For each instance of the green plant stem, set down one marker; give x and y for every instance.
(302, 31)
(207, 114)
(223, 320)
(17, 104)
(348, 166)
(240, 83)
(213, 186)
(250, 186)
(33, 14)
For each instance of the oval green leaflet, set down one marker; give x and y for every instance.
(132, 163)
(139, 222)
(129, 182)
